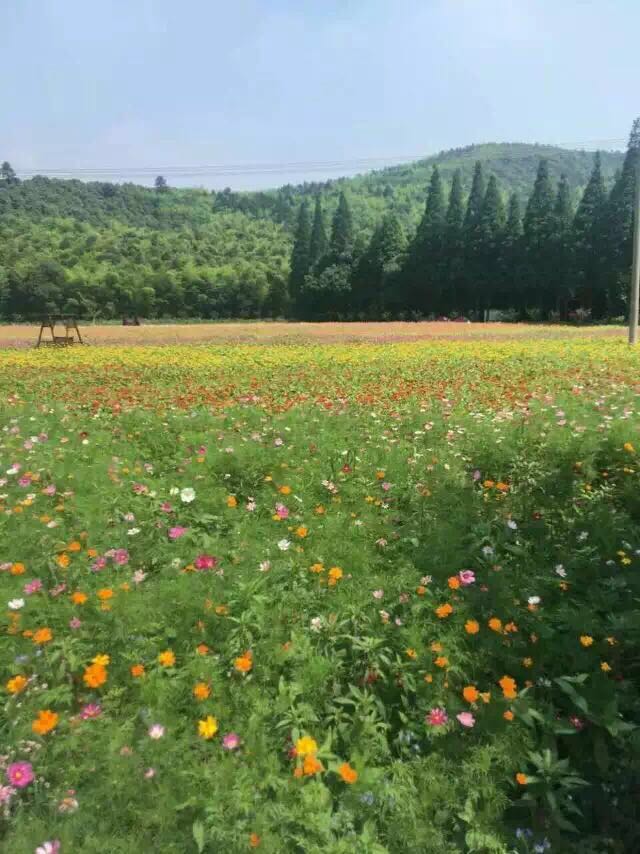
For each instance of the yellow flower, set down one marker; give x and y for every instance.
(411, 653)
(306, 746)
(605, 666)
(167, 658)
(629, 448)
(317, 567)
(208, 727)
(102, 659)
(586, 640)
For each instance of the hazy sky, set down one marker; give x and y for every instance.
(184, 83)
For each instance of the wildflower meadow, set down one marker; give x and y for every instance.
(348, 598)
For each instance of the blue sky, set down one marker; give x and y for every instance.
(146, 83)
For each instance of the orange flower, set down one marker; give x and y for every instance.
(137, 670)
(284, 490)
(222, 610)
(320, 511)
(45, 722)
(244, 663)
(232, 501)
(511, 627)
(521, 779)
(105, 593)
(201, 691)
(508, 715)
(74, 546)
(347, 773)
(92, 552)
(509, 687)
(79, 598)
(472, 627)
(335, 574)
(443, 611)
(421, 590)
(441, 661)
(63, 560)
(17, 569)
(302, 532)
(470, 694)
(454, 582)
(167, 658)
(495, 624)
(254, 840)
(202, 649)
(43, 636)
(17, 684)
(317, 567)
(95, 675)
(411, 653)
(311, 765)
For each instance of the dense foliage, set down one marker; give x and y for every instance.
(105, 250)
(320, 600)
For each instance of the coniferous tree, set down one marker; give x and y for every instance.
(452, 255)
(472, 241)
(562, 247)
(300, 257)
(619, 217)
(490, 233)
(511, 286)
(376, 277)
(318, 245)
(588, 244)
(341, 245)
(424, 262)
(538, 240)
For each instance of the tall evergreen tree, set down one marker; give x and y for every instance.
(452, 254)
(588, 243)
(490, 232)
(562, 247)
(300, 256)
(511, 287)
(423, 271)
(472, 240)
(319, 244)
(538, 240)
(374, 284)
(619, 217)
(341, 244)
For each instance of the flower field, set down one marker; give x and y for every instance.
(321, 597)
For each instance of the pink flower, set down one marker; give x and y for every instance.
(156, 731)
(576, 722)
(140, 488)
(177, 532)
(231, 741)
(20, 774)
(91, 710)
(437, 717)
(49, 490)
(466, 719)
(150, 773)
(32, 586)
(385, 486)
(166, 507)
(51, 846)
(25, 481)
(6, 793)
(205, 562)
(75, 623)
(467, 577)
(282, 512)
(121, 557)
(98, 564)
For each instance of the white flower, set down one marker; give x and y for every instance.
(16, 604)
(316, 624)
(187, 495)
(561, 571)
(251, 505)
(283, 545)
(534, 600)
(138, 576)
(133, 531)
(174, 490)
(426, 579)
(265, 566)
(156, 731)
(513, 525)
(487, 551)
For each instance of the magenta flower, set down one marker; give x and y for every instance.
(121, 557)
(467, 577)
(231, 741)
(177, 532)
(91, 710)
(98, 564)
(466, 719)
(282, 512)
(437, 717)
(32, 586)
(203, 562)
(20, 774)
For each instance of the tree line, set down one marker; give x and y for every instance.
(467, 258)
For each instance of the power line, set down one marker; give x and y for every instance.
(240, 169)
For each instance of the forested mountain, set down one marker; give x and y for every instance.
(362, 246)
